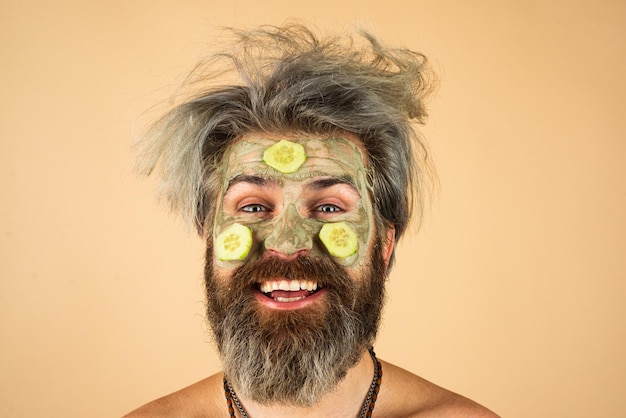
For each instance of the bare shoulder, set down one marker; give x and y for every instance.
(404, 394)
(197, 400)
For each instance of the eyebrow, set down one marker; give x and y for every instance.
(331, 181)
(247, 178)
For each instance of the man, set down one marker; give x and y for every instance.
(300, 177)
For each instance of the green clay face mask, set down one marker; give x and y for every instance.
(296, 193)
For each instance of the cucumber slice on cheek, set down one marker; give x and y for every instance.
(233, 243)
(339, 239)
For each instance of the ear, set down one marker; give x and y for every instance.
(389, 244)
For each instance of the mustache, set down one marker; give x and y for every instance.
(323, 270)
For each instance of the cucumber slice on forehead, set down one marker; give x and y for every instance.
(339, 239)
(285, 156)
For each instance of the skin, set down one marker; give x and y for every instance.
(285, 213)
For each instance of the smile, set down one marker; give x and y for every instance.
(288, 291)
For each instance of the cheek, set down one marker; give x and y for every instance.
(363, 225)
(218, 271)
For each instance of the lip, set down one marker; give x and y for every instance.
(285, 306)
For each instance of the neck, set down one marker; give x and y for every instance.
(345, 401)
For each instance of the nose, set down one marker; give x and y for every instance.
(291, 235)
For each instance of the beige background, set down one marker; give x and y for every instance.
(513, 293)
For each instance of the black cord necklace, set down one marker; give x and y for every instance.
(366, 409)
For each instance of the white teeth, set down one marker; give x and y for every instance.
(279, 299)
(288, 285)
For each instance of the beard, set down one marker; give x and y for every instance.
(293, 357)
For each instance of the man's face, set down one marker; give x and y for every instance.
(287, 211)
(288, 310)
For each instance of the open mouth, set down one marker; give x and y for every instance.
(288, 290)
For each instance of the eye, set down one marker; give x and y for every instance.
(328, 208)
(253, 208)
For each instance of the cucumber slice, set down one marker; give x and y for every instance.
(233, 243)
(285, 156)
(340, 240)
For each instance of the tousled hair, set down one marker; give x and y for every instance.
(294, 81)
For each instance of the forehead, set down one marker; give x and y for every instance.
(325, 156)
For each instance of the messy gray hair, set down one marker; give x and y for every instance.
(291, 80)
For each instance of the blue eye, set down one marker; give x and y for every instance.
(328, 208)
(253, 208)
